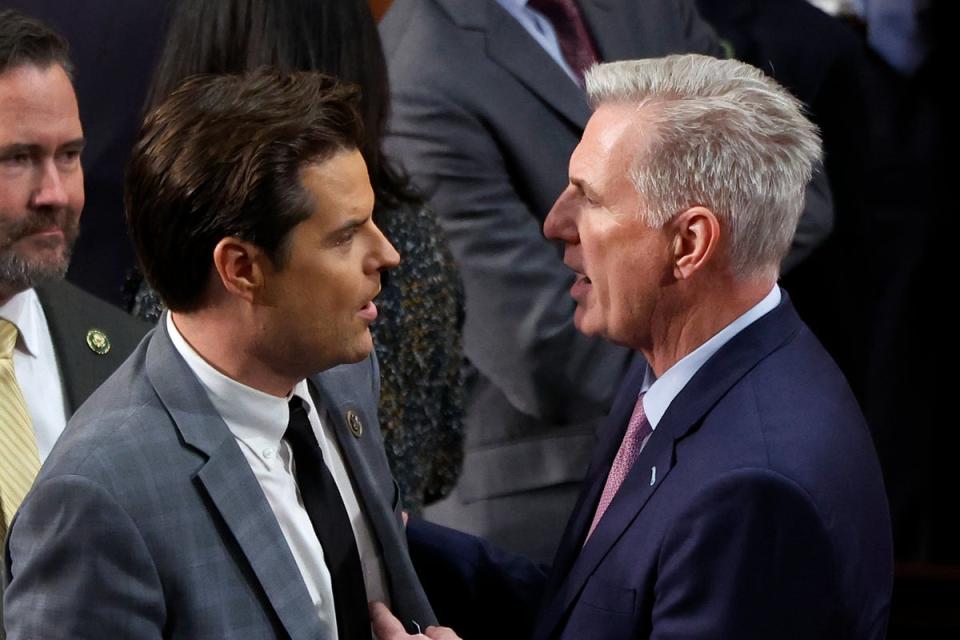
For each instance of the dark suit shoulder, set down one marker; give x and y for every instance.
(77, 322)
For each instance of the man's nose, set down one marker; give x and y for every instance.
(51, 190)
(559, 224)
(386, 256)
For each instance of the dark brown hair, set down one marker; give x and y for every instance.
(26, 40)
(221, 157)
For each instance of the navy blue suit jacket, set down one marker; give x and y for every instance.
(756, 510)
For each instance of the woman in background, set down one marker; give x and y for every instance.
(418, 333)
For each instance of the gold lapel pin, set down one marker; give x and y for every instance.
(354, 422)
(98, 342)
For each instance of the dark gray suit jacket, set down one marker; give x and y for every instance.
(146, 521)
(485, 122)
(71, 312)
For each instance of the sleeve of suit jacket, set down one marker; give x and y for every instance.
(478, 590)
(81, 570)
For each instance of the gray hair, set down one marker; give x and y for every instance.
(726, 137)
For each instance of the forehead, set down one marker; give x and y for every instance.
(612, 138)
(37, 106)
(338, 185)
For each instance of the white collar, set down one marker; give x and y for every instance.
(254, 417)
(24, 311)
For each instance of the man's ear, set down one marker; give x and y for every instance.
(695, 241)
(239, 267)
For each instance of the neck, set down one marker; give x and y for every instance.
(700, 314)
(226, 341)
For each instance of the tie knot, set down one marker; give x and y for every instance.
(298, 427)
(8, 338)
(576, 44)
(561, 9)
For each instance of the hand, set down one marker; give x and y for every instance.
(387, 627)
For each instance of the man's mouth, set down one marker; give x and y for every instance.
(581, 286)
(368, 311)
(54, 227)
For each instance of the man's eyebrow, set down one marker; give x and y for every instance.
(76, 144)
(18, 147)
(349, 225)
(582, 186)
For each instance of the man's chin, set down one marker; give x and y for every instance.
(362, 349)
(20, 273)
(582, 322)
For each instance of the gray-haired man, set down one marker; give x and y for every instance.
(735, 492)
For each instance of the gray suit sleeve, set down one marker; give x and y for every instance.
(519, 323)
(79, 568)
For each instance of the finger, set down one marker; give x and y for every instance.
(441, 633)
(385, 624)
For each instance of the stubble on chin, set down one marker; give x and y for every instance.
(19, 270)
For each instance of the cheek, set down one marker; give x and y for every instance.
(78, 196)
(14, 195)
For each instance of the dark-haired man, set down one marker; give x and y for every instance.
(219, 486)
(57, 344)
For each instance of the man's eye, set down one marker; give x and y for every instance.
(70, 155)
(346, 238)
(17, 159)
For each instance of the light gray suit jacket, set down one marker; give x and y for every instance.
(485, 121)
(71, 313)
(146, 521)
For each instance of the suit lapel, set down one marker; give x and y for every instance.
(232, 487)
(339, 398)
(685, 414)
(511, 47)
(610, 434)
(615, 36)
(337, 404)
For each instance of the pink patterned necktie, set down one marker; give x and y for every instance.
(637, 431)
(576, 45)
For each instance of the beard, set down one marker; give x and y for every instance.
(23, 268)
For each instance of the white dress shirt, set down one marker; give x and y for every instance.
(660, 392)
(35, 365)
(258, 421)
(541, 30)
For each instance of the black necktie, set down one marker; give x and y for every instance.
(321, 499)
